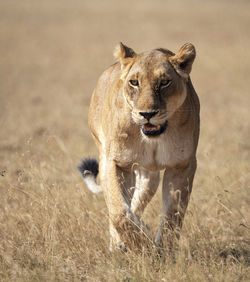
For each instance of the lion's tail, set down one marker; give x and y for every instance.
(89, 171)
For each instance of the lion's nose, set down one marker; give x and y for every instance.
(148, 115)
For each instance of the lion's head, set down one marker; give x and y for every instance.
(154, 84)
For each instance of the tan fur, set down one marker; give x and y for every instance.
(130, 161)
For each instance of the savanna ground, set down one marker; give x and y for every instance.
(52, 52)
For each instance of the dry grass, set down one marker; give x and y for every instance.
(52, 52)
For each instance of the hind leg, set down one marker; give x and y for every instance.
(146, 185)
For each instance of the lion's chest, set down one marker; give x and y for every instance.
(153, 155)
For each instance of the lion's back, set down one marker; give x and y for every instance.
(100, 100)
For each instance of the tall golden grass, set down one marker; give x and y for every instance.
(52, 52)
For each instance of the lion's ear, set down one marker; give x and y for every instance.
(183, 60)
(124, 54)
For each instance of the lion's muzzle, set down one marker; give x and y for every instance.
(153, 130)
(148, 115)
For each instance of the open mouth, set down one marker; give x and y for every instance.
(153, 130)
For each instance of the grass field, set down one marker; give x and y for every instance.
(52, 53)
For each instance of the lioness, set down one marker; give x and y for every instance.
(144, 118)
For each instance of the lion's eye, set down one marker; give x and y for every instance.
(165, 83)
(134, 82)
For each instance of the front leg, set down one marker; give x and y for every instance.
(176, 190)
(125, 228)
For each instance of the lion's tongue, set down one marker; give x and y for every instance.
(151, 127)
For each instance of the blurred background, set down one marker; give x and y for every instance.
(52, 53)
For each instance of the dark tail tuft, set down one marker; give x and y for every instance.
(88, 166)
